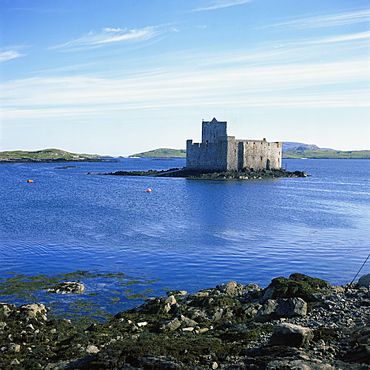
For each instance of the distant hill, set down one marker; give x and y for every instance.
(293, 149)
(292, 146)
(162, 153)
(290, 150)
(46, 155)
(328, 154)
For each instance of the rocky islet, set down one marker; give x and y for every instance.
(245, 174)
(298, 322)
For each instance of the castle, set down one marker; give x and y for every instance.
(219, 152)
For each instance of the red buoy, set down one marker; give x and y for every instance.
(148, 190)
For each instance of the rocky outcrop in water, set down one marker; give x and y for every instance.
(67, 287)
(246, 174)
(298, 322)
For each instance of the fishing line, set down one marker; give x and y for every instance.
(360, 269)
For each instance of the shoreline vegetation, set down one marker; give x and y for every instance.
(46, 156)
(57, 155)
(297, 152)
(313, 154)
(300, 322)
(247, 174)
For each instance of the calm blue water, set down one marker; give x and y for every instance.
(189, 234)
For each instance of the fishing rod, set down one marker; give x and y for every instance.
(359, 270)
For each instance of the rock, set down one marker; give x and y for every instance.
(251, 293)
(231, 288)
(252, 286)
(201, 294)
(359, 354)
(291, 307)
(67, 287)
(179, 293)
(178, 322)
(14, 348)
(5, 310)
(226, 327)
(161, 362)
(169, 303)
(290, 364)
(170, 300)
(91, 349)
(185, 321)
(364, 281)
(283, 307)
(298, 285)
(190, 329)
(267, 311)
(290, 335)
(214, 365)
(33, 311)
(171, 325)
(218, 314)
(250, 310)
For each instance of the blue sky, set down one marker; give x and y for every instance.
(122, 76)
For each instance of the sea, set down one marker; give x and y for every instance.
(126, 243)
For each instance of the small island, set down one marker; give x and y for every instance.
(46, 156)
(223, 157)
(245, 174)
(161, 153)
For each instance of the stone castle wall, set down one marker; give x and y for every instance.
(259, 155)
(206, 156)
(219, 152)
(213, 130)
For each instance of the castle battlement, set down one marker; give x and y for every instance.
(219, 152)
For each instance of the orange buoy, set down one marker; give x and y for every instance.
(29, 180)
(148, 190)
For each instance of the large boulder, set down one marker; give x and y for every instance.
(67, 287)
(33, 311)
(364, 281)
(298, 285)
(298, 364)
(283, 307)
(178, 322)
(171, 325)
(6, 310)
(231, 288)
(291, 335)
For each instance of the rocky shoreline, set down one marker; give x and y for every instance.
(298, 322)
(246, 174)
(52, 160)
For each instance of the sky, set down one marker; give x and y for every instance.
(118, 77)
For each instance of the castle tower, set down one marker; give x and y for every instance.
(219, 152)
(212, 130)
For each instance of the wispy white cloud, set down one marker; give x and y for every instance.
(284, 77)
(38, 10)
(218, 4)
(335, 84)
(332, 20)
(10, 54)
(112, 35)
(113, 29)
(340, 38)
